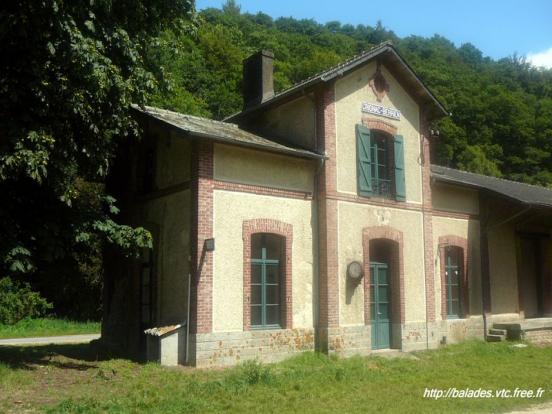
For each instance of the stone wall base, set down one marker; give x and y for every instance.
(457, 330)
(539, 336)
(230, 348)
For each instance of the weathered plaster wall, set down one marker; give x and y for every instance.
(172, 215)
(173, 158)
(352, 218)
(293, 122)
(454, 198)
(169, 217)
(230, 210)
(350, 92)
(503, 269)
(469, 230)
(247, 166)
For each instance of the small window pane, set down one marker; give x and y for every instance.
(273, 295)
(383, 311)
(273, 244)
(256, 245)
(256, 315)
(382, 293)
(454, 292)
(256, 294)
(273, 314)
(453, 311)
(272, 273)
(256, 271)
(453, 275)
(382, 276)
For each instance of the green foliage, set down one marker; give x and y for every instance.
(68, 74)
(36, 327)
(18, 301)
(501, 121)
(307, 383)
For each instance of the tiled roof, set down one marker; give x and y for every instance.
(385, 48)
(218, 131)
(524, 193)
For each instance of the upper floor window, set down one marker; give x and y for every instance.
(266, 286)
(380, 164)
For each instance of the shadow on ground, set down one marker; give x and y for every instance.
(79, 357)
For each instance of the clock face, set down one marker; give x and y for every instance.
(354, 270)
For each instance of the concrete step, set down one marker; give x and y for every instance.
(495, 338)
(495, 331)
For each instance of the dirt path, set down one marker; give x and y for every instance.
(46, 340)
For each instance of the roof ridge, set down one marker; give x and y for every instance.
(495, 178)
(337, 66)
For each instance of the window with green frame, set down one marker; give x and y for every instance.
(266, 280)
(453, 280)
(380, 164)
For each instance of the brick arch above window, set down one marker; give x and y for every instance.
(285, 230)
(378, 124)
(462, 243)
(395, 236)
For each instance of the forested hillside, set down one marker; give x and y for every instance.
(501, 121)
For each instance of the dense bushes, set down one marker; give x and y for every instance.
(18, 301)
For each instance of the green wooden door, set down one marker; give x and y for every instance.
(380, 294)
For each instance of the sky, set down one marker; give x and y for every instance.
(499, 28)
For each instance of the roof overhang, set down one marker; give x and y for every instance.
(530, 195)
(221, 132)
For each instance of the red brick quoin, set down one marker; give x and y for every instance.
(202, 288)
(279, 228)
(397, 268)
(462, 243)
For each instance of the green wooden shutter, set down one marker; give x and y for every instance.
(364, 161)
(400, 187)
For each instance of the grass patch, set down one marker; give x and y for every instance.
(28, 328)
(71, 378)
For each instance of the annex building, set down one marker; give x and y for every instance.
(314, 219)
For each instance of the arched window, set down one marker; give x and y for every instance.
(266, 280)
(454, 278)
(453, 281)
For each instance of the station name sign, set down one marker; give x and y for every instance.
(380, 110)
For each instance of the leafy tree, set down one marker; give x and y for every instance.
(69, 72)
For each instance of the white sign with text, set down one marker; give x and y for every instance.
(380, 110)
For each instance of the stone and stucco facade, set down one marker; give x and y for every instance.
(228, 193)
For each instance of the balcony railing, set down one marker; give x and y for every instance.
(382, 187)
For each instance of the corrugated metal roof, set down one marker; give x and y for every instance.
(223, 132)
(524, 193)
(386, 50)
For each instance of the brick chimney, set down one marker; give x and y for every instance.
(258, 79)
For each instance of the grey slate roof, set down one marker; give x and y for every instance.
(223, 132)
(524, 193)
(387, 54)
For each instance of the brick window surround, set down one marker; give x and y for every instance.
(397, 265)
(462, 243)
(284, 230)
(379, 125)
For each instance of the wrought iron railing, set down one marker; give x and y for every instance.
(381, 187)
